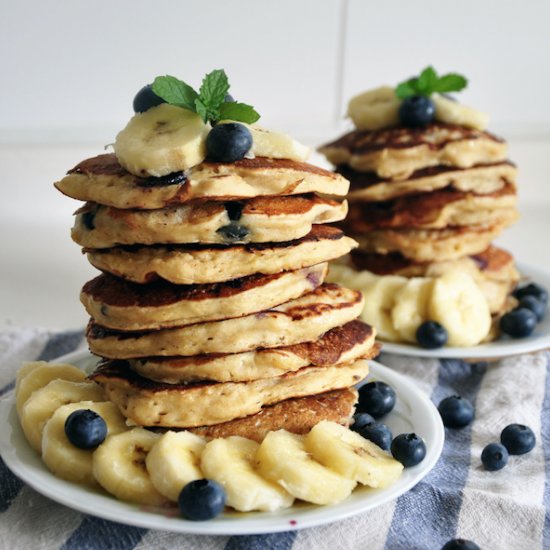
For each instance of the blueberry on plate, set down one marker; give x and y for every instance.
(376, 399)
(536, 305)
(518, 439)
(409, 449)
(202, 499)
(145, 99)
(416, 111)
(431, 335)
(518, 323)
(228, 98)
(228, 142)
(360, 420)
(494, 457)
(532, 289)
(378, 433)
(455, 411)
(85, 429)
(460, 544)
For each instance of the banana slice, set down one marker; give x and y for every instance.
(453, 112)
(36, 374)
(162, 140)
(351, 455)
(232, 463)
(266, 143)
(349, 277)
(119, 467)
(174, 461)
(411, 307)
(61, 456)
(460, 306)
(284, 459)
(375, 109)
(42, 404)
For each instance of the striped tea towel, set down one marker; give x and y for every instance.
(505, 510)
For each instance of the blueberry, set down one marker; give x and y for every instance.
(228, 142)
(360, 420)
(416, 111)
(234, 210)
(376, 399)
(455, 411)
(534, 304)
(201, 499)
(518, 323)
(431, 335)
(494, 457)
(228, 98)
(145, 99)
(532, 289)
(518, 439)
(378, 433)
(233, 232)
(85, 429)
(460, 544)
(88, 219)
(409, 449)
(175, 178)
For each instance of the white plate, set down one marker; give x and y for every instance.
(414, 412)
(504, 347)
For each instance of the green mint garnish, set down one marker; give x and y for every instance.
(429, 82)
(209, 102)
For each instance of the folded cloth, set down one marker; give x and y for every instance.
(507, 509)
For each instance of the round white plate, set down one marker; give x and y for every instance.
(414, 412)
(504, 347)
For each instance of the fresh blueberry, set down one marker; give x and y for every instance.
(233, 232)
(534, 304)
(228, 142)
(376, 399)
(431, 335)
(378, 433)
(201, 499)
(228, 98)
(518, 323)
(145, 99)
(455, 411)
(85, 429)
(518, 439)
(360, 420)
(532, 289)
(494, 457)
(409, 449)
(460, 544)
(416, 111)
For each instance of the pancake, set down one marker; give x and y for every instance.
(271, 219)
(148, 403)
(396, 153)
(198, 264)
(435, 210)
(119, 304)
(102, 179)
(342, 344)
(481, 179)
(302, 320)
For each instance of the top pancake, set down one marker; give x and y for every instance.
(103, 180)
(395, 153)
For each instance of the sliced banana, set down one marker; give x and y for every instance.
(352, 456)
(174, 461)
(61, 456)
(162, 140)
(411, 307)
(277, 145)
(375, 109)
(349, 277)
(453, 112)
(460, 306)
(284, 459)
(232, 463)
(119, 467)
(36, 374)
(42, 404)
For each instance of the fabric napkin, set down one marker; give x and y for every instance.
(505, 510)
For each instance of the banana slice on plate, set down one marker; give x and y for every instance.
(352, 456)
(375, 109)
(61, 456)
(174, 461)
(284, 459)
(232, 463)
(119, 467)
(267, 143)
(453, 112)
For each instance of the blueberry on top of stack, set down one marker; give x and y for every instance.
(430, 189)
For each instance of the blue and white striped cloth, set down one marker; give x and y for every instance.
(506, 510)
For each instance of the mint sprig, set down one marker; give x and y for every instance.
(429, 82)
(209, 102)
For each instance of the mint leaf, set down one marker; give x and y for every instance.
(175, 91)
(201, 109)
(238, 111)
(451, 82)
(429, 82)
(405, 89)
(213, 89)
(426, 81)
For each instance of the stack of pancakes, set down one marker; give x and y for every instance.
(211, 313)
(429, 199)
